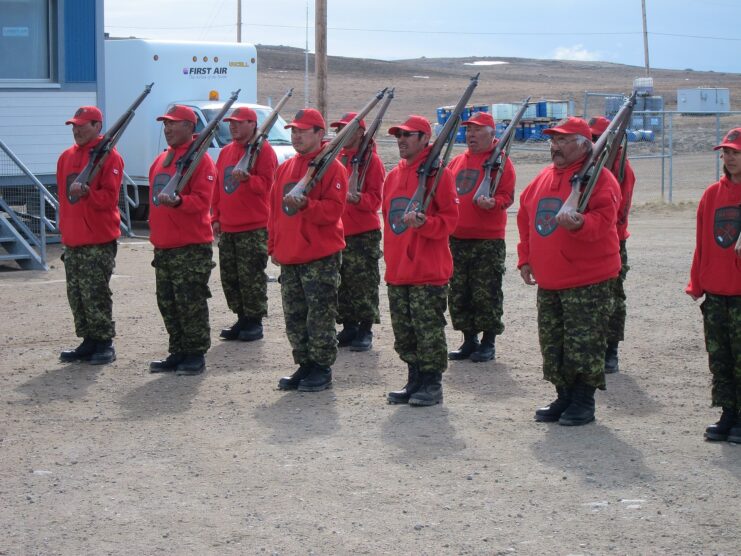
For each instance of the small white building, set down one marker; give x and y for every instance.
(703, 99)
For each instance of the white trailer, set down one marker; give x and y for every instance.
(199, 75)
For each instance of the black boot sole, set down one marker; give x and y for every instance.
(397, 401)
(547, 418)
(575, 422)
(302, 388)
(715, 437)
(251, 338)
(478, 359)
(424, 403)
(105, 361)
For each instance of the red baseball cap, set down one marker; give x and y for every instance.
(598, 125)
(732, 140)
(413, 123)
(346, 119)
(86, 114)
(307, 118)
(483, 119)
(570, 126)
(242, 114)
(179, 113)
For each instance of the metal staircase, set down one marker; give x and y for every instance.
(29, 213)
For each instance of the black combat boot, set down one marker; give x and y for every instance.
(104, 353)
(412, 385)
(291, 382)
(581, 408)
(192, 364)
(553, 411)
(83, 352)
(364, 338)
(485, 351)
(430, 391)
(734, 435)
(167, 365)
(318, 379)
(347, 334)
(251, 330)
(469, 345)
(720, 430)
(232, 333)
(611, 358)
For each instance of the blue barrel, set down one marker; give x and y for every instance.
(649, 135)
(460, 137)
(499, 129)
(632, 135)
(519, 134)
(442, 115)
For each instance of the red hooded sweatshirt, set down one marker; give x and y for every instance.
(560, 259)
(418, 256)
(242, 206)
(475, 222)
(363, 217)
(626, 190)
(94, 218)
(715, 266)
(190, 222)
(315, 231)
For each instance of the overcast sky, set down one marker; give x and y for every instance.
(702, 34)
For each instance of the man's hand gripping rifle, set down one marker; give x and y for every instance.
(100, 152)
(187, 164)
(319, 165)
(433, 164)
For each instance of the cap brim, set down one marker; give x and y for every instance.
(299, 125)
(77, 121)
(475, 123)
(734, 146)
(239, 120)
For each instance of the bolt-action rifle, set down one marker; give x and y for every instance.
(361, 160)
(432, 166)
(253, 147)
(604, 150)
(99, 153)
(187, 164)
(499, 156)
(319, 165)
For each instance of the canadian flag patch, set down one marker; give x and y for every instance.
(457, 201)
(115, 171)
(338, 186)
(210, 177)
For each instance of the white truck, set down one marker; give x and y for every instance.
(199, 75)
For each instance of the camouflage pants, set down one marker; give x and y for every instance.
(88, 270)
(571, 330)
(616, 325)
(181, 276)
(357, 296)
(418, 321)
(309, 294)
(243, 257)
(476, 297)
(722, 321)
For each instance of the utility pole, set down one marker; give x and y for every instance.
(306, 59)
(645, 37)
(239, 20)
(320, 55)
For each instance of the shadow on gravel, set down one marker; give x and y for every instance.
(299, 416)
(593, 453)
(625, 395)
(485, 380)
(421, 433)
(235, 356)
(357, 368)
(730, 459)
(166, 395)
(66, 383)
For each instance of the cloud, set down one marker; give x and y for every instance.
(575, 52)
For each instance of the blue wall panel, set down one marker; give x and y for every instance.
(79, 41)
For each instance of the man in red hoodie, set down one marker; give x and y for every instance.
(89, 223)
(574, 259)
(623, 171)
(418, 265)
(477, 244)
(359, 273)
(716, 274)
(305, 237)
(180, 230)
(240, 220)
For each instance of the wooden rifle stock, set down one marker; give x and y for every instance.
(187, 164)
(432, 164)
(254, 145)
(100, 152)
(499, 156)
(361, 161)
(318, 166)
(583, 182)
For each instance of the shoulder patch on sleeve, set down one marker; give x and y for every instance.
(457, 201)
(339, 185)
(115, 171)
(210, 177)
